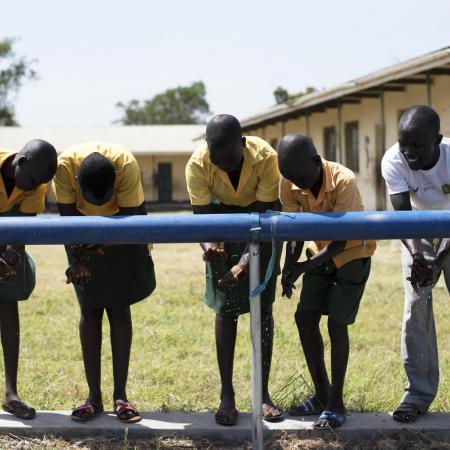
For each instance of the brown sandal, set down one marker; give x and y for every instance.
(407, 413)
(86, 412)
(228, 418)
(126, 412)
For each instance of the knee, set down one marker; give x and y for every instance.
(119, 314)
(91, 315)
(306, 322)
(337, 330)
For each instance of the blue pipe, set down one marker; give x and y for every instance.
(223, 227)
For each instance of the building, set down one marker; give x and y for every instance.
(356, 122)
(162, 152)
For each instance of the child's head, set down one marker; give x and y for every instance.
(418, 135)
(97, 178)
(298, 160)
(225, 141)
(34, 165)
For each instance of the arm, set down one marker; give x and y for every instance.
(210, 249)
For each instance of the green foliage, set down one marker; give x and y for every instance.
(14, 71)
(282, 95)
(180, 105)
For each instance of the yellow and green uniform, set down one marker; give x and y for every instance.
(124, 274)
(207, 184)
(336, 286)
(29, 202)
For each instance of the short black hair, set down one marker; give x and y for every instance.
(96, 174)
(223, 130)
(42, 153)
(422, 116)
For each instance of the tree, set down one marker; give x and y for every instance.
(183, 104)
(14, 71)
(282, 95)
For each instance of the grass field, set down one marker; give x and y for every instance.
(173, 364)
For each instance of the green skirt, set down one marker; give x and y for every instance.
(122, 276)
(21, 287)
(235, 301)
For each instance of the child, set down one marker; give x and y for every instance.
(22, 193)
(335, 277)
(103, 179)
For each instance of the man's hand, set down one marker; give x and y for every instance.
(7, 273)
(232, 277)
(12, 258)
(422, 272)
(78, 274)
(214, 253)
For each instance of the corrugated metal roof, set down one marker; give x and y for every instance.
(412, 67)
(146, 139)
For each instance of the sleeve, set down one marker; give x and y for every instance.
(33, 202)
(348, 197)
(269, 179)
(129, 190)
(288, 200)
(394, 175)
(197, 184)
(62, 188)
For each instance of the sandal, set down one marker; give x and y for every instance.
(228, 418)
(334, 420)
(19, 409)
(309, 407)
(86, 412)
(269, 416)
(406, 413)
(126, 412)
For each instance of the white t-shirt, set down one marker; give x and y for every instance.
(428, 189)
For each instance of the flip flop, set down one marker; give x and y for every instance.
(335, 420)
(309, 407)
(19, 409)
(227, 418)
(269, 417)
(406, 413)
(126, 412)
(86, 412)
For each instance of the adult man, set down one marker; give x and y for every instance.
(334, 277)
(24, 175)
(417, 175)
(234, 174)
(103, 179)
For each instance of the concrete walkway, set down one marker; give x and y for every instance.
(202, 425)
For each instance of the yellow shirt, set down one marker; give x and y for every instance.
(128, 188)
(30, 202)
(339, 193)
(258, 181)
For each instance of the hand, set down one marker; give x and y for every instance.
(78, 274)
(422, 272)
(85, 251)
(7, 273)
(286, 282)
(12, 257)
(214, 253)
(232, 277)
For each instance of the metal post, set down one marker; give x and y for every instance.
(256, 358)
(339, 133)
(429, 82)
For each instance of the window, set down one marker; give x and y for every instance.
(329, 139)
(352, 146)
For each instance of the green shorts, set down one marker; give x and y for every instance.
(335, 292)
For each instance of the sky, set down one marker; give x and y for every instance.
(92, 54)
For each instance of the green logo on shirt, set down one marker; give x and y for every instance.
(446, 189)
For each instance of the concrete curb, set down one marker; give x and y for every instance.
(202, 426)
